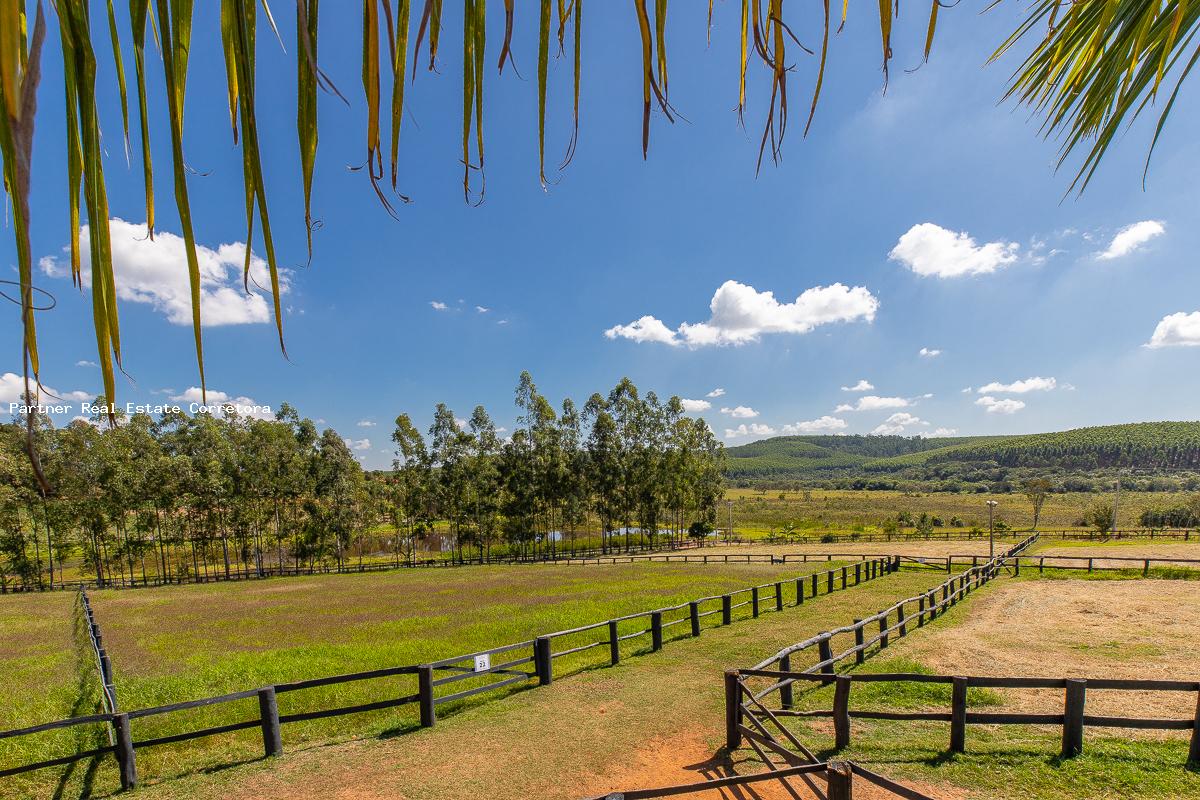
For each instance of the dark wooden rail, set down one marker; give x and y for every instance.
(1073, 717)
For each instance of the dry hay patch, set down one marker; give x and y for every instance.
(1074, 629)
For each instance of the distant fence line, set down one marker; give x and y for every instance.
(615, 554)
(521, 663)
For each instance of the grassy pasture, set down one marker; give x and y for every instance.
(585, 735)
(182, 643)
(1084, 628)
(47, 672)
(758, 512)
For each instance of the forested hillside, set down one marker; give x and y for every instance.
(1153, 455)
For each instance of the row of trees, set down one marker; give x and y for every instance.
(180, 497)
(637, 466)
(176, 497)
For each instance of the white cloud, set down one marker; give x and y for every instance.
(718, 392)
(1019, 387)
(695, 406)
(994, 406)
(461, 423)
(482, 309)
(821, 424)
(154, 272)
(863, 385)
(365, 423)
(926, 352)
(1176, 330)
(86, 364)
(358, 444)
(12, 390)
(740, 412)
(754, 429)
(246, 406)
(940, 432)
(897, 423)
(968, 390)
(741, 314)
(870, 402)
(931, 250)
(437, 305)
(1131, 237)
(644, 329)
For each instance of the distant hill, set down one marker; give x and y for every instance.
(1167, 447)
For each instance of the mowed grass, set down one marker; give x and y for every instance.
(183, 643)
(47, 672)
(1060, 628)
(651, 720)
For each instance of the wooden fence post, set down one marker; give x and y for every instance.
(1194, 749)
(921, 611)
(733, 710)
(268, 712)
(1076, 696)
(779, 597)
(859, 655)
(825, 653)
(900, 620)
(883, 626)
(958, 716)
(425, 695)
(841, 781)
(694, 616)
(614, 643)
(786, 692)
(655, 631)
(841, 711)
(799, 591)
(857, 573)
(542, 660)
(754, 601)
(844, 577)
(126, 760)
(815, 585)
(726, 609)
(829, 582)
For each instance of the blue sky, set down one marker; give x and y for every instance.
(875, 201)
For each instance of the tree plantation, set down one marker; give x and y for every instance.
(182, 497)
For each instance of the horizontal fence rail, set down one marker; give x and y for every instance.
(441, 682)
(1073, 716)
(839, 778)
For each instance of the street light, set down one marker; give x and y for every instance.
(729, 530)
(992, 528)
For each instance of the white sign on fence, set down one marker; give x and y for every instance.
(483, 662)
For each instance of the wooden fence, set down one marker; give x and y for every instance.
(1073, 718)
(511, 665)
(839, 777)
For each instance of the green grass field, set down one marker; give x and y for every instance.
(182, 643)
(758, 512)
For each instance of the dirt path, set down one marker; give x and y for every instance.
(652, 719)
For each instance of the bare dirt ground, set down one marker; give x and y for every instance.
(688, 758)
(1075, 628)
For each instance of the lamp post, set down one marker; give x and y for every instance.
(1116, 505)
(729, 510)
(992, 528)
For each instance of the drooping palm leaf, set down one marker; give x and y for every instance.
(1100, 67)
